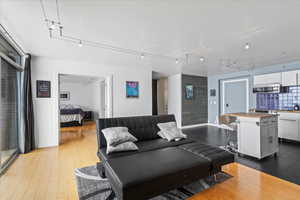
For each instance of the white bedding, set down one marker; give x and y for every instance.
(71, 118)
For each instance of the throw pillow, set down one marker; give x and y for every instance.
(126, 146)
(171, 132)
(117, 135)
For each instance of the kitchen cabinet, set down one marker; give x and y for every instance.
(290, 78)
(258, 137)
(267, 79)
(288, 126)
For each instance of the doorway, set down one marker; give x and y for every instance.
(160, 96)
(82, 100)
(234, 95)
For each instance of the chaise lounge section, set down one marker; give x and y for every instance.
(158, 166)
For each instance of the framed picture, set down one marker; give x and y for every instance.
(43, 89)
(189, 91)
(132, 89)
(64, 96)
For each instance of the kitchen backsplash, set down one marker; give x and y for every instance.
(279, 101)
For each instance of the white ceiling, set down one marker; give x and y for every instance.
(217, 30)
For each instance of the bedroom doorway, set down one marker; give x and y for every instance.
(82, 100)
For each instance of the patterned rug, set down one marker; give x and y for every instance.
(91, 186)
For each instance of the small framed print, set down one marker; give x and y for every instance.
(43, 89)
(64, 96)
(189, 92)
(132, 89)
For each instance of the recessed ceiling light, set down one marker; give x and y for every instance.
(247, 46)
(177, 61)
(80, 44)
(201, 59)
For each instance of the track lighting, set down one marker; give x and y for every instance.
(176, 61)
(201, 59)
(53, 26)
(60, 30)
(142, 56)
(247, 46)
(80, 44)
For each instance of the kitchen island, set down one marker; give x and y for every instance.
(257, 134)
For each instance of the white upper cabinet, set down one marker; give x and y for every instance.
(289, 78)
(267, 79)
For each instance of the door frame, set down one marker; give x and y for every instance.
(108, 99)
(232, 81)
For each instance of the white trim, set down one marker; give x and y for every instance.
(194, 126)
(232, 81)
(204, 124)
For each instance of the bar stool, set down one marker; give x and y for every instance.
(229, 124)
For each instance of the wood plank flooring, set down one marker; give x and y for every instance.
(48, 174)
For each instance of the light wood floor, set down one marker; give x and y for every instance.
(48, 174)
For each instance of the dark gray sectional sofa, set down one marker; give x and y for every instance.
(158, 166)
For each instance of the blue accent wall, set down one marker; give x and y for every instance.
(213, 83)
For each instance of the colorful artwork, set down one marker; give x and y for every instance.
(132, 89)
(189, 91)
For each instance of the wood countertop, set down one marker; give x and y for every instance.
(251, 115)
(287, 111)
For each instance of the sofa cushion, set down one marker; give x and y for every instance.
(144, 146)
(215, 155)
(141, 127)
(147, 174)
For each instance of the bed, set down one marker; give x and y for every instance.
(71, 115)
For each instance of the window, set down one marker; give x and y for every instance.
(9, 104)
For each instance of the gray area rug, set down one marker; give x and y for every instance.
(91, 186)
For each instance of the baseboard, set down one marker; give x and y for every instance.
(194, 125)
(203, 124)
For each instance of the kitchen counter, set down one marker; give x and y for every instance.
(287, 111)
(250, 115)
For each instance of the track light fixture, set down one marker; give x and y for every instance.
(176, 61)
(80, 43)
(247, 46)
(201, 59)
(142, 56)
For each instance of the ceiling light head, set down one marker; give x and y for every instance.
(176, 61)
(53, 26)
(142, 56)
(80, 44)
(247, 46)
(202, 59)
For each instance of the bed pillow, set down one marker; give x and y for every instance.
(126, 146)
(117, 135)
(171, 132)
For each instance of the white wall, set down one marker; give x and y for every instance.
(46, 109)
(86, 95)
(174, 97)
(80, 94)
